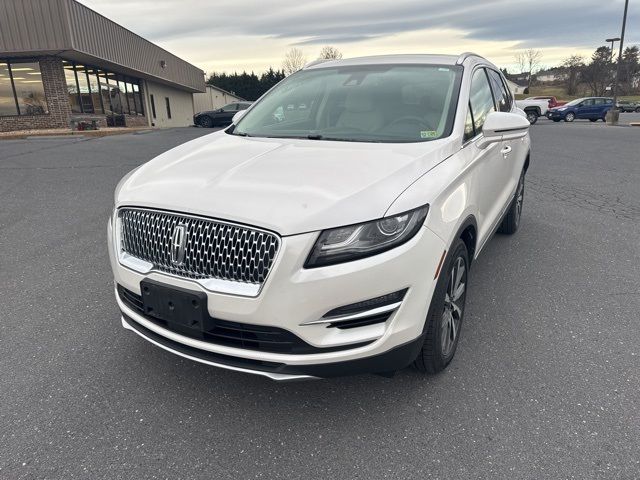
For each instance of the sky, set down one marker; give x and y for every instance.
(252, 35)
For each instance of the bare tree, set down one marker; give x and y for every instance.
(529, 62)
(293, 61)
(573, 66)
(330, 53)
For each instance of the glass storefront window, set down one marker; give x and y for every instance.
(114, 93)
(7, 100)
(122, 90)
(137, 99)
(72, 87)
(130, 99)
(104, 92)
(85, 92)
(27, 82)
(95, 91)
(21, 89)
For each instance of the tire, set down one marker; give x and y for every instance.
(570, 117)
(511, 221)
(532, 116)
(206, 122)
(638, 109)
(445, 315)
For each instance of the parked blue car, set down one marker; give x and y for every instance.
(593, 108)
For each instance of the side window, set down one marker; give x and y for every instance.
(481, 99)
(587, 103)
(500, 92)
(232, 107)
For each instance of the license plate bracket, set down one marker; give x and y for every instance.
(175, 305)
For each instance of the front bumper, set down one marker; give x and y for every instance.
(557, 115)
(394, 359)
(293, 296)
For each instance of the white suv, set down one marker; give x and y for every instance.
(330, 229)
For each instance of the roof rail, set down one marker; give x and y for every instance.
(464, 56)
(317, 62)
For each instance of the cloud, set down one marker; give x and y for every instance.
(207, 26)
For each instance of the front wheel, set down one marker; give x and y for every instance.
(570, 117)
(445, 312)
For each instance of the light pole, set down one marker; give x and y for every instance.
(614, 112)
(613, 42)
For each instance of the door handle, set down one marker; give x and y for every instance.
(506, 150)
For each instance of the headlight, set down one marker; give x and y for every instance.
(562, 109)
(344, 244)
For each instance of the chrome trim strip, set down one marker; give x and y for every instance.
(279, 377)
(135, 263)
(354, 316)
(214, 285)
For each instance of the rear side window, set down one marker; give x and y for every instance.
(500, 92)
(481, 99)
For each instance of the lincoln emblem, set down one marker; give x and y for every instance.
(178, 242)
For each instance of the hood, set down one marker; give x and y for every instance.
(288, 186)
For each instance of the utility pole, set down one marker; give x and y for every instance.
(614, 111)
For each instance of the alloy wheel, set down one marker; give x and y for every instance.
(453, 305)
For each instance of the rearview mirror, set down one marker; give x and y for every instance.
(236, 118)
(500, 126)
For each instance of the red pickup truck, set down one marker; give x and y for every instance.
(553, 101)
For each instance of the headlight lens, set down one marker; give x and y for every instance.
(349, 243)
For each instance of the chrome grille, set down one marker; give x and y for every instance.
(213, 249)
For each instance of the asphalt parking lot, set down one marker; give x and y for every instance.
(545, 383)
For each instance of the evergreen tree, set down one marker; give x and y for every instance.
(246, 85)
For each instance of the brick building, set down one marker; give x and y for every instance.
(61, 62)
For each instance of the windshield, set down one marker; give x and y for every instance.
(379, 103)
(577, 101)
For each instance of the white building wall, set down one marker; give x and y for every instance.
(212, 99)
(181, 104)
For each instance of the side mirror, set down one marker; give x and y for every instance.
(236, 118)
(500, 126)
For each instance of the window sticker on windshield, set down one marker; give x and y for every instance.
(428, 134)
